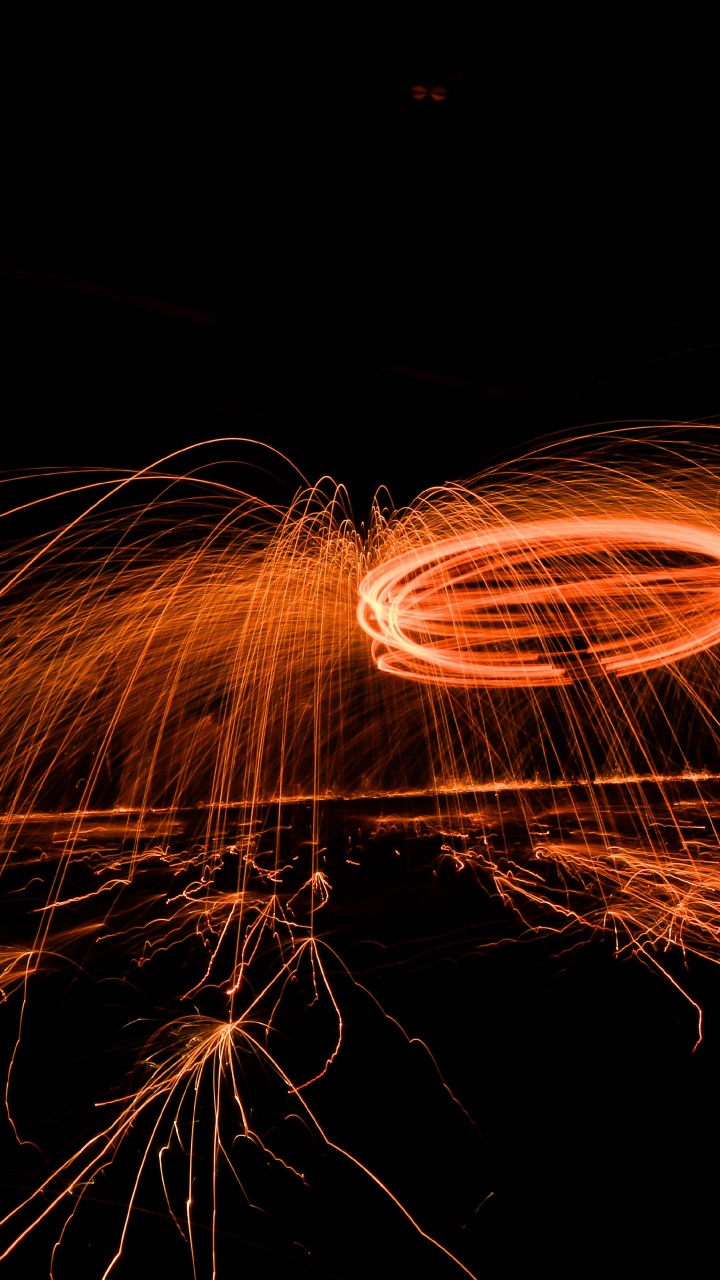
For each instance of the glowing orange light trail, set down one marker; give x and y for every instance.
(487, 608)
(186, 689)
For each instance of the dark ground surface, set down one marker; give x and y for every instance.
(587, 1115)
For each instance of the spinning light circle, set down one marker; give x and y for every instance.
(545, 602)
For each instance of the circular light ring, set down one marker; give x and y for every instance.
(545, 602)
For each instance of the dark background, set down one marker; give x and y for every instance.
(392, 290)
(397, 290)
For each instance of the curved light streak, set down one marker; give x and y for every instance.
(545, 602)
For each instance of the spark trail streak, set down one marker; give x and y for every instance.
(188, 697)
(623, 595)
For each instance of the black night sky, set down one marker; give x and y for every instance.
(392, 289)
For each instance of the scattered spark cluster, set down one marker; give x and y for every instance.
(188, 685)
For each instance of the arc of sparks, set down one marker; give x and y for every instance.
(545, 602)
